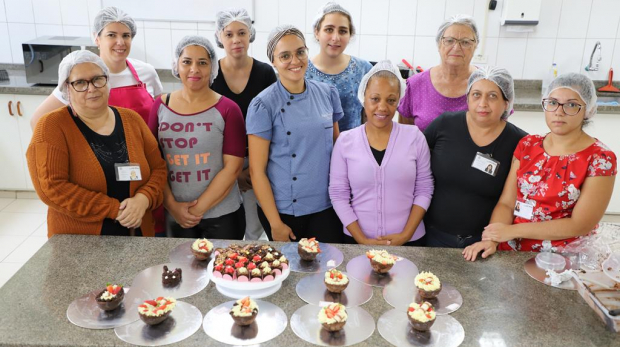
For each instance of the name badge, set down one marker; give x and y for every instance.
(524, 209)
(485, 163)
(128, 172)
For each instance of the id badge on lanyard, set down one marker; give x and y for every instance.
(485, 163)
(128, 172)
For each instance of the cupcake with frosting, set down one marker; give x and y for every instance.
(308, 249)
(380, 260)
(244, 311)
(333, 317)
(202, 249)
(428, 285)
(336, 281)
(153, 312)
(421, 316)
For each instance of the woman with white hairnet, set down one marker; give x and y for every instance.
(561, 182)
(470, 159)
(202, 137)
(240, 78)
(442, 88)
(292, 126)
(333, 29)
(133, 83)
(97, 167)
(381, 169)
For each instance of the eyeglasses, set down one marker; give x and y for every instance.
(82, 85)
(464, 43)
(570, 108)
(287, 57)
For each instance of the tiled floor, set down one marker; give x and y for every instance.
(23, 231)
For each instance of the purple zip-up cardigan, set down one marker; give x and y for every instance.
(382, 195)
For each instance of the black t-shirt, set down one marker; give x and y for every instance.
(261, 77)
(464, 196)
(378, 155)
(109, 149)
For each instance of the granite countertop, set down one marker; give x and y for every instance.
(502, 305)
(527, 91)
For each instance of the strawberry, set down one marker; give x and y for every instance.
(142, 306)
(312, 239)
(239, 264)
(245, 301)
(229, 270)
(229, 262)
(243, 259)
(340, 276)
(159, 298)
(110, 288)
(329, 313)
(331, 275)
(256, 258)
(251, 266)
(369, 255)
(411, 309)
(151, 302)
(428, 316)
(233, 256)
(219, 267)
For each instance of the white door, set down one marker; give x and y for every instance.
(12, 174)
(26, 104)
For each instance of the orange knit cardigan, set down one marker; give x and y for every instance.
(69, 179)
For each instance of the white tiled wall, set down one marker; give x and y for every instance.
(392, 29)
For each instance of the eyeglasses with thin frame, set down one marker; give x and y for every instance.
(570, 108)
(464, 43)
(82, 85)
(287, 57)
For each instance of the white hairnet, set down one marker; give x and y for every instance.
(384, 65)
(580, 84)
(194, 40)
(71, 60)
(502, 78)
(112, 15)
(224, 18)
(277, 34)
(328, 8)
(460, 19)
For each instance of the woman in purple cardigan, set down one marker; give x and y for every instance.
(380, 177)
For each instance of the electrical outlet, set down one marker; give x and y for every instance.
(479, 59)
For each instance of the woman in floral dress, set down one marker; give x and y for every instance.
(562, 181)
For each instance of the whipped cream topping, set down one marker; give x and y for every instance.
(421, 312)
(427, 281)
(309, 245)
(162, 306)
(381, 256)
(244, 307)
(202, 245)
(333, 313)
(333, 277)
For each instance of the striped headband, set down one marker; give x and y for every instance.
(277, 34)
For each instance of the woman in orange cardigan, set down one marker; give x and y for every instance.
(97, 167)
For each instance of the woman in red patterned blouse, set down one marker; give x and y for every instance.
(561, 182)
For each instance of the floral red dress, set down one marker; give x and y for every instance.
(554, 183)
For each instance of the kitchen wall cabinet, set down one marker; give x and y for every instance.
(15, 114)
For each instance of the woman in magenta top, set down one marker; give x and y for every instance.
(559, 184)
(443, 87)
(380, 177)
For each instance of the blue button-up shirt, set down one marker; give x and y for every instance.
(301, 130)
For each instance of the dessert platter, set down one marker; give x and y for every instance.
(333, 286)
(244, 322)
(198, 253)
(332, 324)
(425, 286)
(106, 308)
(378, 268)
(420, 325)
(311, 256)
(163, 320)
(177, 280)
(551, 269)
(249, 270)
